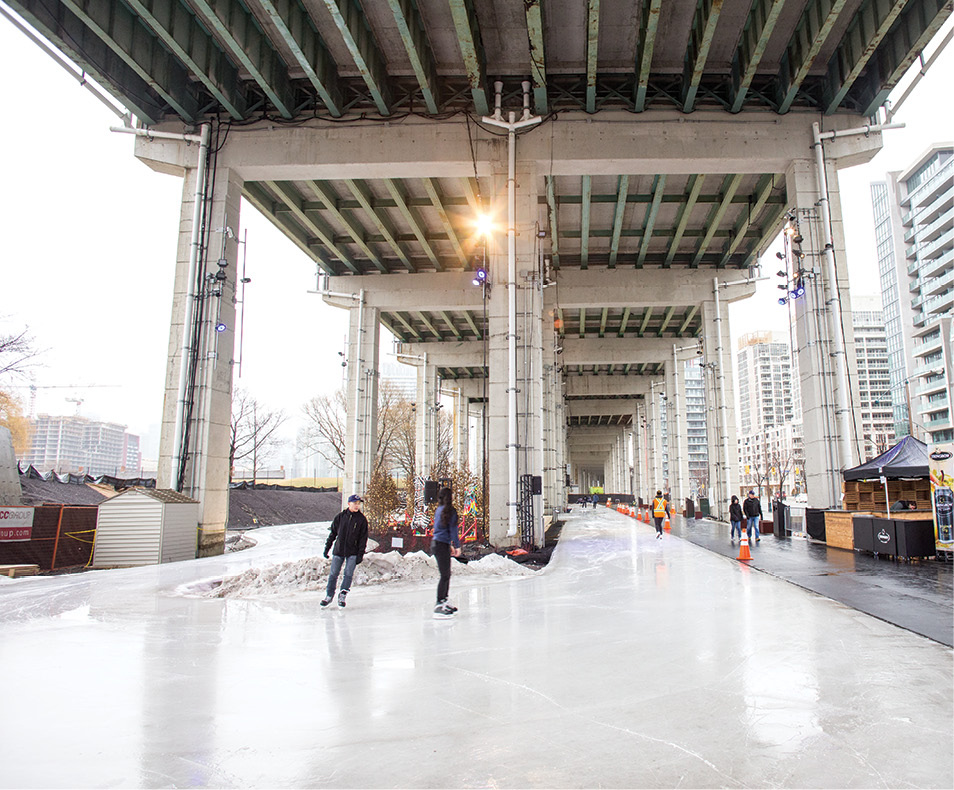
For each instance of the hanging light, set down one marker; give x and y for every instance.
(480, 276)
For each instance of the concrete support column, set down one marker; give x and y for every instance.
(361, 398)
(426, 412)
(638, 451)
(461, 429)
(526, 334)
(208, 430)
(657, 438)
(816, 362)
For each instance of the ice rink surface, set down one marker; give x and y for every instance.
(627, 662)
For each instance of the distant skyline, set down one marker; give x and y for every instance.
(89, 247)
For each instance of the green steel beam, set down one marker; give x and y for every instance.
(649, 24)
(762, 190)
(810, 35)
(356, 34)
(264, 202)
(697, 53)
(903, 44)
(239, 32)
(451, 325)
(407, 326)
(411, 28)
(365, 199)
(666, 319)
(592, 51)
(582, 322)
(389, 324)
(626, 369)
(289, 196)
(690, 314)
(867, 30)
(538, 61)
(623, 322)
(139, 48)
(72, 37)
(695, 186)
(470, 322)
(659, 186)
(472, 51)
(611, 197)
(412, 219)
(554, 224)
(622, 187)
(437, 200)
(645, 322)
(729, 187)
(430, 327)
(748, 55)
(324, 193)
(767, 234)
(603, 317)
(176, 27)
(297, 30)
(472, 193)
(585, 223)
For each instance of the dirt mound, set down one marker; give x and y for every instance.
(256, 507)
(52, 492)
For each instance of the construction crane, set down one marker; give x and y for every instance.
(78, 401)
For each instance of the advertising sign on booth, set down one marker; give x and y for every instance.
(942, 494)
(16, 524)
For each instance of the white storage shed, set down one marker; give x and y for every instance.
(145, 526)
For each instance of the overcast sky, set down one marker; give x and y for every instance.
(89, 242)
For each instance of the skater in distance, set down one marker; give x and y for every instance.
(445, 544)
(660, 511)
(349, 536)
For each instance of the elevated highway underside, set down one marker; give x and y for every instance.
(643, 156)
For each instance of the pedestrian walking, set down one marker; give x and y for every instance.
(583, 501)
(445, 544)
(349, 537)
(753, 512)
(660, 511)
(735, 517)
(596, 500)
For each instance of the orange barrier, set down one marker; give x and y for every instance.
(744, 553)
(666, 524)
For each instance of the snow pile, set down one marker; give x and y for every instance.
(311, 574)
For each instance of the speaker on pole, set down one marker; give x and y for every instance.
(431, 489)
(536, 485)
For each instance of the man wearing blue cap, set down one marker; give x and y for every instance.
(349, 535)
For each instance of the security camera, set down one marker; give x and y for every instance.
(698, 352)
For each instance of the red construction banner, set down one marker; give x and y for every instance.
(16, 524)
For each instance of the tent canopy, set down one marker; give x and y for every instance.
(908, 458)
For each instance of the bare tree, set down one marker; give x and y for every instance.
(325, 429)
(17, 354)
(254, 431)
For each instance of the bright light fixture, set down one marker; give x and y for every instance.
(485, 224)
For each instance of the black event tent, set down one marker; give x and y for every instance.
(908, 458)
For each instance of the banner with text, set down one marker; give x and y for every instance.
(16, 524)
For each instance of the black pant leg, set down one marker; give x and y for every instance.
(443, 557)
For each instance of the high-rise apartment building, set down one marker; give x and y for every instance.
(80, 445)
(771, 453)
(914, 230)
(696, 436)
(874, 382)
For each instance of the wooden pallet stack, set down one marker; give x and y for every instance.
(867, 496)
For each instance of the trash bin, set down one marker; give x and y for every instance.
(690, 509)
(704, 506)
(781, 519)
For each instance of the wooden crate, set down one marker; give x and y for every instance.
(838, 529)
(15, 571)
(868, 495)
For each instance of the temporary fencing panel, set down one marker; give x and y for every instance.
(62, 537)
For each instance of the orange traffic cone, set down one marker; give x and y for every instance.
(744, 553)
(666, 525)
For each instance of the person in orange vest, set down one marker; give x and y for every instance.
(660, 510)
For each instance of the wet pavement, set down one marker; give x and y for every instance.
(627, 662)
(916, 595)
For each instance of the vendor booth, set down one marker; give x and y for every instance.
(889, 505)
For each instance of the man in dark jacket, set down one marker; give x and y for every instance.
(752, 508)
(349, 536)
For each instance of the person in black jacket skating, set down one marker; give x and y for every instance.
(349, 536)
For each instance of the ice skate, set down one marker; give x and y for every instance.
(443, 611)
(326, 600)
(341, 598)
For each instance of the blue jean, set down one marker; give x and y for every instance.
(752, 524)
(736, 527)
(349, 565)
